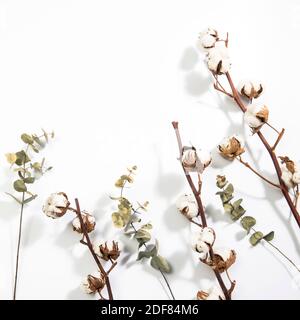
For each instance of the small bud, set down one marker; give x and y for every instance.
(221, 181)
(223, 259)
(107, 252)
(251, 89)
(207, 39)
(88, 220)
(93, 283)
(56, 205)
(214, 293)
(232, 147)
(218, 60)
(256, 115)
(187, 205)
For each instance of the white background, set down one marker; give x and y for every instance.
(109, 77)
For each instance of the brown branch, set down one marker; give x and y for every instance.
(270, 150)
(90, 246)
(246, 164)
(278, 139)
(201, 212)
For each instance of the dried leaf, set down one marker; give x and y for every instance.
(118, 220)
(20, 186)
(11, 158)
(160, 263)
(269, 236)
(256, 238)
(247, 223)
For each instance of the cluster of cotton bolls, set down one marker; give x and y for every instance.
(218, 62)
(290, 172)
(218, 59)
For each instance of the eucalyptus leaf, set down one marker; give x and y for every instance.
(247, 223)
(30, 199)
(22, 158)
(26, 138)
(20, 186)
(160, 263)
(269, 236)
(142, 236)
(256, 238)
(29, 180)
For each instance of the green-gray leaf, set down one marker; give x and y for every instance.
(256, 238)
(237, 203)
(20, 186)
(142, 236)
(160, 263)
(29, 180)
(147, 254)
(27, 138)
(269, 236)
(22, 158)
(248, 222)
(30, 199)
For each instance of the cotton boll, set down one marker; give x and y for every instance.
(219, 60)
(56, 205)
(204, 157)
(93, 283)
(187, 205)
(231, 147)
(296, 177)
(251, 89)
(256, 115)
(88, 220)
(214, 293)
(207, 39)
(189, 158)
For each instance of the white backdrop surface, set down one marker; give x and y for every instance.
(109, 77)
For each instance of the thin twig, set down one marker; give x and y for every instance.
(278, 139)
(246, 164)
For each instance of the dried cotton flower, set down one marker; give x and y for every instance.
(218, 60)
(187, 205)
(93, 283)
(250, 89)
(256, 115)
(223, 259)
(107, 252)
(203, 240)
(56, 205)
(290, 172)
(88, 220)
(214, 293)
(195, 160)
(207, 39)
(231, 147)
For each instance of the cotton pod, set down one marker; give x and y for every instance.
(218, 60)
(93, 283)
(56, 205)
(207, 39)
(88, 220)
(250, 89)
(231, 147)
(204, 157)
(187, 205)
(290, 172)
(222, 260)
(107, 251)
(214, 293)
(195, 160)
(256, 115)
(203, 240)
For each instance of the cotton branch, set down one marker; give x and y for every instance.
(197, 194)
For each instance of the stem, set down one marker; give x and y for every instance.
(284, 255)
(90, 246)
(18, 248)
(278, 139)
(201, 212)
(271, 152)
(162, 273)
(268, 124)
(246, 164)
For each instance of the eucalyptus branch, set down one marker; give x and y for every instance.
(255, 116)
(127, 215)
(237, 212)
(187, 163)
(28, 171)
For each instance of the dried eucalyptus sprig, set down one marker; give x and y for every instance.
(129, 217)
(191, 206)
(56, 206)
(23, 163)
(255, 115)
(236, 212)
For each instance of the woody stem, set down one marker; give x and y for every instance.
(201, 212)
(90, 246)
